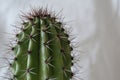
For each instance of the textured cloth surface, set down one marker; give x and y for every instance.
(95, 24)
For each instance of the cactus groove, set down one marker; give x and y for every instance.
(43, 50)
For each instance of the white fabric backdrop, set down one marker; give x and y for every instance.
(96, 23)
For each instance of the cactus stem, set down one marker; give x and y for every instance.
(42, 49)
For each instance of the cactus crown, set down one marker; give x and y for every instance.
(43, 50)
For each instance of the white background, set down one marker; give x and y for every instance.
(95, 23)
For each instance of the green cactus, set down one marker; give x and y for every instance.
(43, 50)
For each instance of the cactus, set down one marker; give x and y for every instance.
(43, 50)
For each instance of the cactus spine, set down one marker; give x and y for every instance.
(43, 50)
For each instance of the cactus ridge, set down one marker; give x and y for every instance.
(43, 50)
